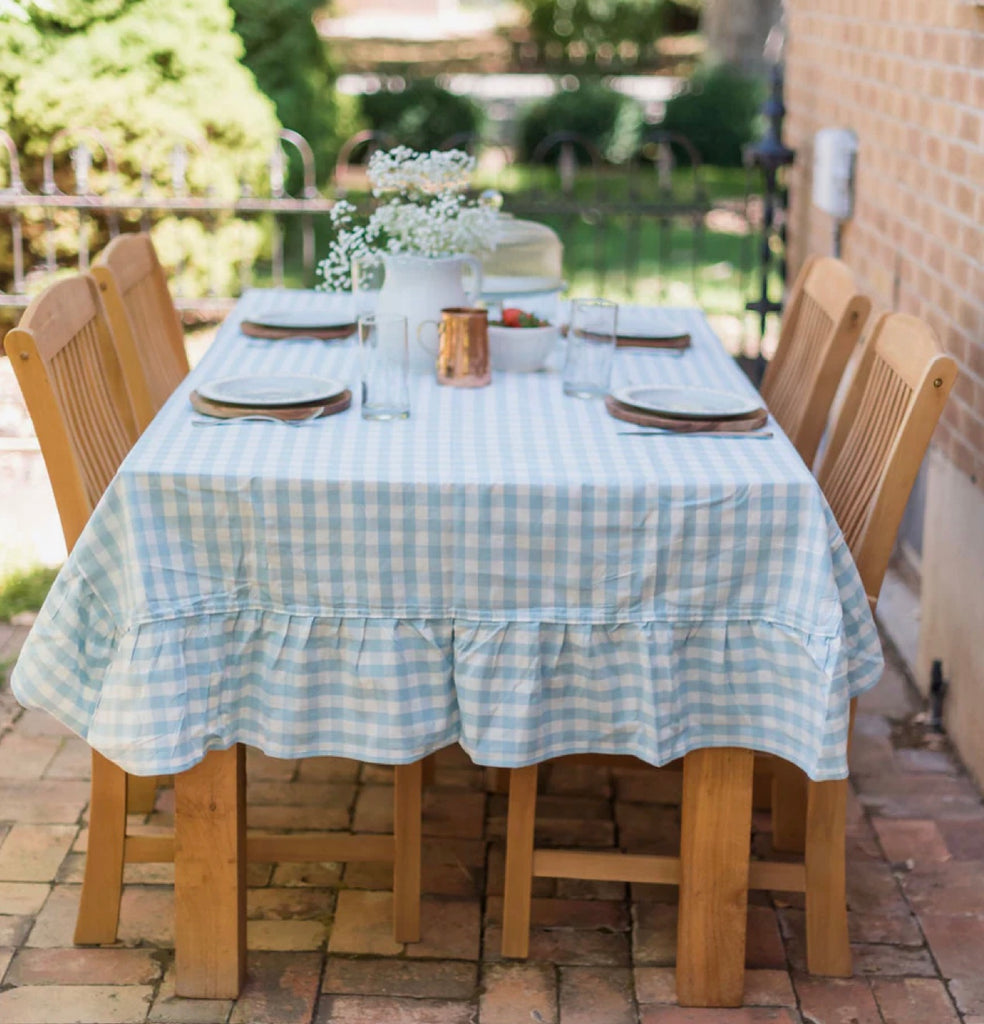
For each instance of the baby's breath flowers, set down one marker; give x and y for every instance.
(428, 213)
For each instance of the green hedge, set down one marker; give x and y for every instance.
(719, 112)
(612, 121)
(421, 116)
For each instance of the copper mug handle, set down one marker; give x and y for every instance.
(462, 353)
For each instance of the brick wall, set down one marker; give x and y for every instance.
(908, 77)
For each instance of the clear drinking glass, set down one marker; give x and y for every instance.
(367, 279)
(590, 348)
(385, 367)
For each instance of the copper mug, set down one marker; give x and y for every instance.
(463, 347)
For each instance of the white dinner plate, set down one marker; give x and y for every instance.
(652, 327)
(262, 392)
(687, 402)
(299, 320)
(497, 285)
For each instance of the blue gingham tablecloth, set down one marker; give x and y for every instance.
(502, 570)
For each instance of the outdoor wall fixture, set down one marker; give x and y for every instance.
(835, 153)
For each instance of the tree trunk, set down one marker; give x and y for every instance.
(736, 30)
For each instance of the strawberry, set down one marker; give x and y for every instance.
(512, 317)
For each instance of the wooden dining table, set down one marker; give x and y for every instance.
(509, 569)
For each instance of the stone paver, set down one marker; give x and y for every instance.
(33, 853)
(320, 940)
(911, 999)
(518, 992)
(592, 994)
(84, 965)
(280, 988)
(416, 979)
(75, 1004)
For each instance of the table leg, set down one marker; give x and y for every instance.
(99, 906)
(141, 794)
(210, 876)
(788, 807)
(517, 894)
(828, 948)
(714, 852)
(406, 841)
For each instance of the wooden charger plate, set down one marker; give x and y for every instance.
(253, 330)
(750, 421)
(313, 410)
(677, 341)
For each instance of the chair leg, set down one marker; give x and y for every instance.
(210, 876)
(429, 769)
(789, 798)
(497, 780)
(762, 776)
(102, 884)
(828, 947)
(141, 793)
(714, 852)
(517, 894)
(407, 783)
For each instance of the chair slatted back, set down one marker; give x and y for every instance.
(63, 355)
(819, 332)
(145, 324)
(878, 442)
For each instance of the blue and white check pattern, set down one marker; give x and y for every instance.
(502, 569)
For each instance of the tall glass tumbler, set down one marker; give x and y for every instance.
(590, 348)
(385, 367)
(367, 280)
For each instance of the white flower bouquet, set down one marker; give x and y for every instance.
(428, 213)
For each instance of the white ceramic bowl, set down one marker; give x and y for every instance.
(520, 349)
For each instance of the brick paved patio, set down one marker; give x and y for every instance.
(601, 953)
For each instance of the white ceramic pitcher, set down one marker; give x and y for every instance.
(419, 287)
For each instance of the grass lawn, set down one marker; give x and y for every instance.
(614, 240)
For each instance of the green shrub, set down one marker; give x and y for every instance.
(292, 67)
(145, 74)
(718, 112)
(24, 590)
(612, 121)
(422, 116)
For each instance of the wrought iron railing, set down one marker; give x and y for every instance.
(639, 229)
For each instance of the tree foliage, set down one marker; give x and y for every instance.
(718, 111)
(292, 67)
(593, 30)
(146, 75)
(609, 119)
(423, 115)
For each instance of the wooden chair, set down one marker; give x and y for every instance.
(145, 325)
(820, 328)
(66, 363)
(877, 445)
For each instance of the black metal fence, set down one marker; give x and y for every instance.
(639, 230)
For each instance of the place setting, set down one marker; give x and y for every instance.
(688, 411)
(298, 324)
(650, 329)
(292, 400)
